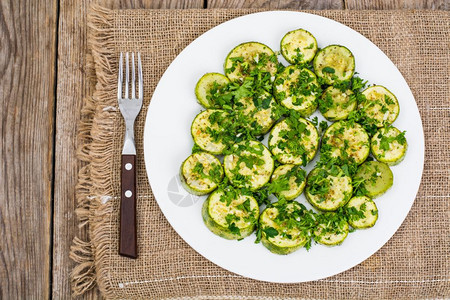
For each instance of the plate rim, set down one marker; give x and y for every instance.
(421, 149)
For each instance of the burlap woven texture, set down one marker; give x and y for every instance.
(413, 264)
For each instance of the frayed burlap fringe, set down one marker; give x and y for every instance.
(83, 274)
(92, 145)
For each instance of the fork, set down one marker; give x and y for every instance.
(130, 108)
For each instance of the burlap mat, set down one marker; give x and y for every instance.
(413, 264)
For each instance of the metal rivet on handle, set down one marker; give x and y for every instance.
(128, 166)
(128, 193)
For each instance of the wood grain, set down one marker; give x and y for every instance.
(279, 4)
(27, 80)
(397, 4)
(73, 86)
(154, 4)
(128, 230)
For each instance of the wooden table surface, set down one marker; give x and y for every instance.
(42, 84)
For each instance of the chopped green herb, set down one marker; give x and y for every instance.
(328, 70)
(234, 229)
(270, 232)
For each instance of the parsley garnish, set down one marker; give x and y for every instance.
(386, 141)
(270, 232)
(198, 168)
(322, 127)
(328, 70)
(234, 229)
(196, 149)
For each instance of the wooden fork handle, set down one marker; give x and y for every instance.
(128, 235)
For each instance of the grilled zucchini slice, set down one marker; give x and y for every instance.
(207, 130)
(389, 145)
(230, 215)
(298, 46)
(249, 165)
(280, 232)
(200, 173)
(336, 105)
(334, 63)
(374, 178)
(327, 190)
(262, 111)
(332, 229)
(246, 57)
(296, 88)
(380, 106)
(209, 88)
(294, 141)
(288, 181)
(347, 142)
(362, 212)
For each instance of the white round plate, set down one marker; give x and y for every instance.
(167, 142)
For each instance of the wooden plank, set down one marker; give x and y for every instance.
(397, 4)
(280, 4)
(27, 79)
(72, 86)
(154, 4)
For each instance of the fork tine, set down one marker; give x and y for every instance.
(127, 76)
(133, 85)
(141, 80)
(120, 77)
